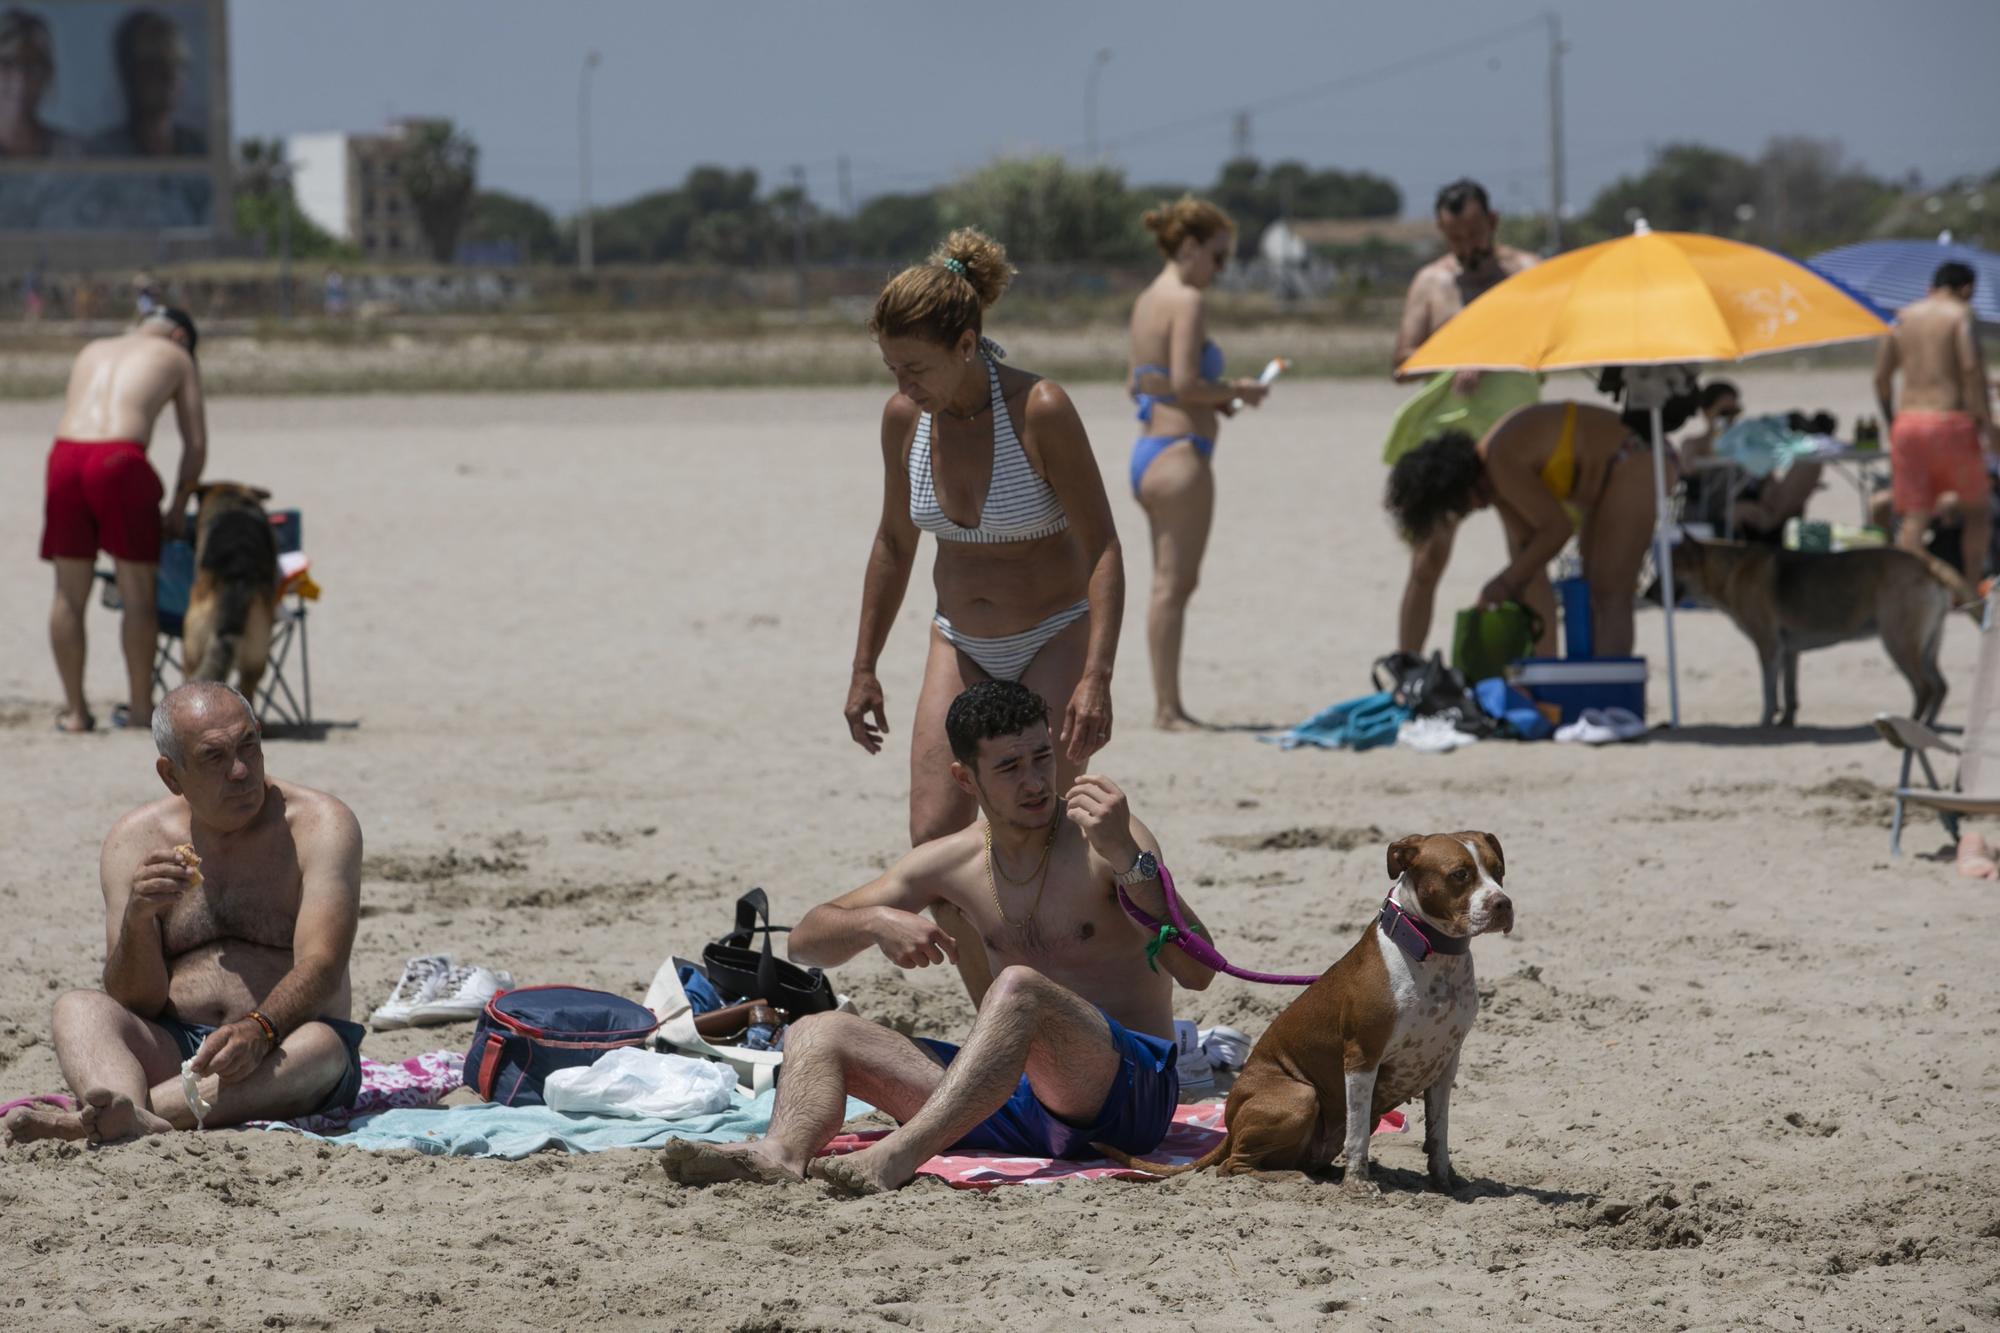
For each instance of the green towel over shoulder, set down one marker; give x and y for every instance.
(1435, 407)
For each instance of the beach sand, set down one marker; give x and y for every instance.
(584, 658)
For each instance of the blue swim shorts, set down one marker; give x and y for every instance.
(1137, 1112)
(190, 1036)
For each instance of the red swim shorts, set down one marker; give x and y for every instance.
(1932, 453)
(102, 496)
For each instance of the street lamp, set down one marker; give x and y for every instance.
(1097, 64)
(584, 256)
(281, 183)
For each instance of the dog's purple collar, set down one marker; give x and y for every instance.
(1418, 938)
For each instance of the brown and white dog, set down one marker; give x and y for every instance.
(1383, 1025)
(235, 595)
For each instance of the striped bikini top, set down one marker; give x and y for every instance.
(1020, 506)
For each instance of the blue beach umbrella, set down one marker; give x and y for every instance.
(1894, 273)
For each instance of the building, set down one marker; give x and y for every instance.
(348, 185)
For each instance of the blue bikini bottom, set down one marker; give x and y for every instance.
(1148, 447)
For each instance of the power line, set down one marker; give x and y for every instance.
(1343, 83)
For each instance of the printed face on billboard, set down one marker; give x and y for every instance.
(93, 90)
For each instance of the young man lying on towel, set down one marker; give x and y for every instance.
(229, 914)
(1074, 1040)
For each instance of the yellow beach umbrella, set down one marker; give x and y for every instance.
(1651, 298)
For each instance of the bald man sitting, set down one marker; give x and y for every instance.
(236, 961)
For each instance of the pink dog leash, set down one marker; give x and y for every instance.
(1192, 944)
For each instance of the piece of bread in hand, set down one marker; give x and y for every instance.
(187, 856)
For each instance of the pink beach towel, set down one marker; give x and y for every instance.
(421, 1080)
(1197, 1128)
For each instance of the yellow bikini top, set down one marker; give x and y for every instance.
(1559, 473)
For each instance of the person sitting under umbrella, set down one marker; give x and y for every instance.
(1548, 469)
(1755, 508)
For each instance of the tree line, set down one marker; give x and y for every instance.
(1798, 195)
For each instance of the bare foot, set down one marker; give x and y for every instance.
(1976, 859)
(1175, 719)
(112, 1117)
(75, 724)
(688, 1163)
(29, 1123)
(869, 1171)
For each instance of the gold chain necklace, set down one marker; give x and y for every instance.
(1040, 875)
(1039, 865)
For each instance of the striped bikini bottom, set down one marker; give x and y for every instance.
(1007, 657)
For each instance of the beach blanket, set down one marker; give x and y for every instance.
(1197, 1128)
(492, 1130)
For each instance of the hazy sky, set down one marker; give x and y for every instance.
(914, 92)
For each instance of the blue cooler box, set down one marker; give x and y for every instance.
(1600, 682)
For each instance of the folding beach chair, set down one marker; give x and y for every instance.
(276, 699)
(1976, 790)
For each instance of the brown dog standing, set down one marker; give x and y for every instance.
(1384, 1024)
(1789, 602)
(235, 593)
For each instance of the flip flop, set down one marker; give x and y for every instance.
(55, 1101)
(121, 717)
(1623, 723)
(89, 725)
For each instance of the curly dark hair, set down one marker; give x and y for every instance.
(991, 708)
(1433, 483)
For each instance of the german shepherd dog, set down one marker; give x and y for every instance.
(235, 593)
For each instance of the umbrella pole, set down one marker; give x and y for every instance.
(1664, 565)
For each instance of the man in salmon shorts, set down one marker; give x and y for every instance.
(1943, 424)
(104, 496)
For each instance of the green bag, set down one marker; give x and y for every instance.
(1485, 643)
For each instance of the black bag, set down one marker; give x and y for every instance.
(740, 972)
(1429, 688)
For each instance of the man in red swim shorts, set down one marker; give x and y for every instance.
(104, 496)
(1941, 427)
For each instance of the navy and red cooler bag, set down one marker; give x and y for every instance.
(527, 1034)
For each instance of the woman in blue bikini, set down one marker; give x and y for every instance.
(1177, 382)
(994, 463)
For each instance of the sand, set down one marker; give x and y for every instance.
(585, 658)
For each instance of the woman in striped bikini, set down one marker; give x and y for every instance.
(1178, 385)
(994, 463)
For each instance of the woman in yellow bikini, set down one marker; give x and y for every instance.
(1549, 469)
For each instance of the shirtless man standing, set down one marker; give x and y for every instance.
(237, 962)
(1473, 264)
(104, 495)
(1074, 1040)
(1945, 419)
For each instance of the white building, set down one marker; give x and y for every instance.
(348, 184)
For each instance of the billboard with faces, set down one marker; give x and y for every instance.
(113, 115)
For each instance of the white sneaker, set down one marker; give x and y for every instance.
(1226, 1047)
(459, 995)
(419, 976)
